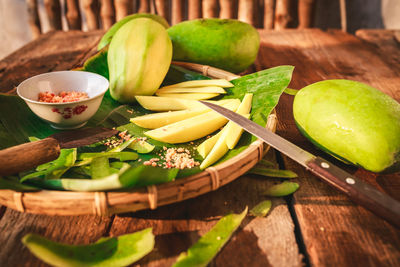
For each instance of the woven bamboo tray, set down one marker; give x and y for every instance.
(106, 203)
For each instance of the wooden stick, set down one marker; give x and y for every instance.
(282, 14)
(123, 8)
(144, 6)
(53, 9)
(343, 15)
(210, 8)
(246, 11)
(177, 11)
(161, 7)
(91, 8)
(33, 18)
(306, 13)
(107, 13)
(227, 9)
(194, 9)
(73, 15)
(269, 10)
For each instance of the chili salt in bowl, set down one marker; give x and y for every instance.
(67, 115)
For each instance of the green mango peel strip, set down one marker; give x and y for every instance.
(282, 189)
(261, 209)
(110, 251)
(207, 247)
(269, 172)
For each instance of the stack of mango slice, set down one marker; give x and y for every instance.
(182, 119)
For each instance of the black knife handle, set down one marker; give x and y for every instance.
(358, 191)
(26, 156)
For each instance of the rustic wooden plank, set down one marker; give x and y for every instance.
(33, 18)
(67, 229)
(107, 13)
(386, 42)
(270, 241)
(53, 10)
(52, 51)
(360, 238)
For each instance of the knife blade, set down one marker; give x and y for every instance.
(26, 156)
(357, 190)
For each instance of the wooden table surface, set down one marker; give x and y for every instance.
(318, 226)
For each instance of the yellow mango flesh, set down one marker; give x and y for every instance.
(204, 148)
(204, 89)
(235, 131)
(220, 148)
(192, 128)
(138, 59)
(193, 96)
(201, 83)
(158, 103)
(156, 120)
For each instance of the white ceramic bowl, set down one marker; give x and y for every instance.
(69, 115)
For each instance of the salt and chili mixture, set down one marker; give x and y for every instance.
(62, 97)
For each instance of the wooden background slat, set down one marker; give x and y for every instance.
(268, 14)
(73, 15)
(107, 12)
(53, 10)
(33, 18)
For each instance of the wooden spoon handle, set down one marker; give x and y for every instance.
(26, 156)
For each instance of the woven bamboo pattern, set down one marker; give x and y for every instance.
(107, 203)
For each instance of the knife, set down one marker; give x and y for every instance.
(26, 156)
(358, 191)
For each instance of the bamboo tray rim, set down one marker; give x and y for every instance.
(71, 203)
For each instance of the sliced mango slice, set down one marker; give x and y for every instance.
(205, 147)
(204, 89)
(193, 96)
(192, 128)
(235, 131)
(156, 103)
(157, 120)
(198, 83)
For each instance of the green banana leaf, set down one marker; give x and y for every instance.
(18, 123)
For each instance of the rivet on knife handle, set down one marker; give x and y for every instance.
(26, 156)
(357, 190)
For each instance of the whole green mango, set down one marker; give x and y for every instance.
(138, 59)
(352, 121)
(223, 43)
(106, 39)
